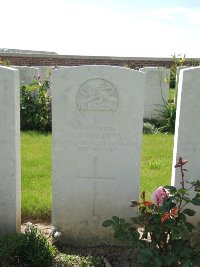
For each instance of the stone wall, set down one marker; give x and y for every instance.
(68, 60)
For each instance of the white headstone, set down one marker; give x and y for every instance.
(27, 74)
(156, 91)
(45, 72)
(97, 131)
(177, 80)
(10, 188)
(179, 68)
(187, 137)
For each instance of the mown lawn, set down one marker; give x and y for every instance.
(156, 164)
(36, 175)
(36, 170)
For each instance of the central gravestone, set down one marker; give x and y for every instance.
(97, 132)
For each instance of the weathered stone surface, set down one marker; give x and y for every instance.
(45, 72)
(10, 188)
(97, 131)
(156, 91)
(187, 137)
(27, 74)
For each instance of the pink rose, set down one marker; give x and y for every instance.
(159, 196)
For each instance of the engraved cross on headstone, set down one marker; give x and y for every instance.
(95, 178)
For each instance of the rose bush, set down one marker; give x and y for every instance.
(161, 233)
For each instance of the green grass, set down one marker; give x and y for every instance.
(171, 95)
(156, 164)
(36, 170)
(36, 175)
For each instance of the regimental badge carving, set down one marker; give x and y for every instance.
(97, 95)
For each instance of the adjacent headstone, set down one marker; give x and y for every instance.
(156, 91)
(187, 137)
(10, 188)
(45, 72)
(178, 72)
(177, 81)
(97, 131)
(45, 75)
(27, 74)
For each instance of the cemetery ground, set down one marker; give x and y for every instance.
(102, 141)
(36, 191)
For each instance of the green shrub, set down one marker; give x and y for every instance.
(29, 249)
(177, 61)
(172, 83)
(77, 260)
(167, 117)
(35, 106)
(149, 128)
(5, 62)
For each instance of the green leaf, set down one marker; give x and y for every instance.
(168, 205)
(176, 233)
(107, 223)
(170, 223)
(115, 219)
(172, 189)
(196, 201)
(196, 260)
(122, 221)
(182, 217)
(197, 185)
(190, 226)
(186, 263)
(136, 220)
(171, 260)
(183, 191)
(189, 212)
(198, 224)
(121, 235)
(135, 235)
(155, 219)
(186, 199)
(158, 262)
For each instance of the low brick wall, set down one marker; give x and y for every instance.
(67, 60)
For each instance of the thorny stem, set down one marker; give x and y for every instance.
(182, 177)
(183, 187)
(186, 202)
